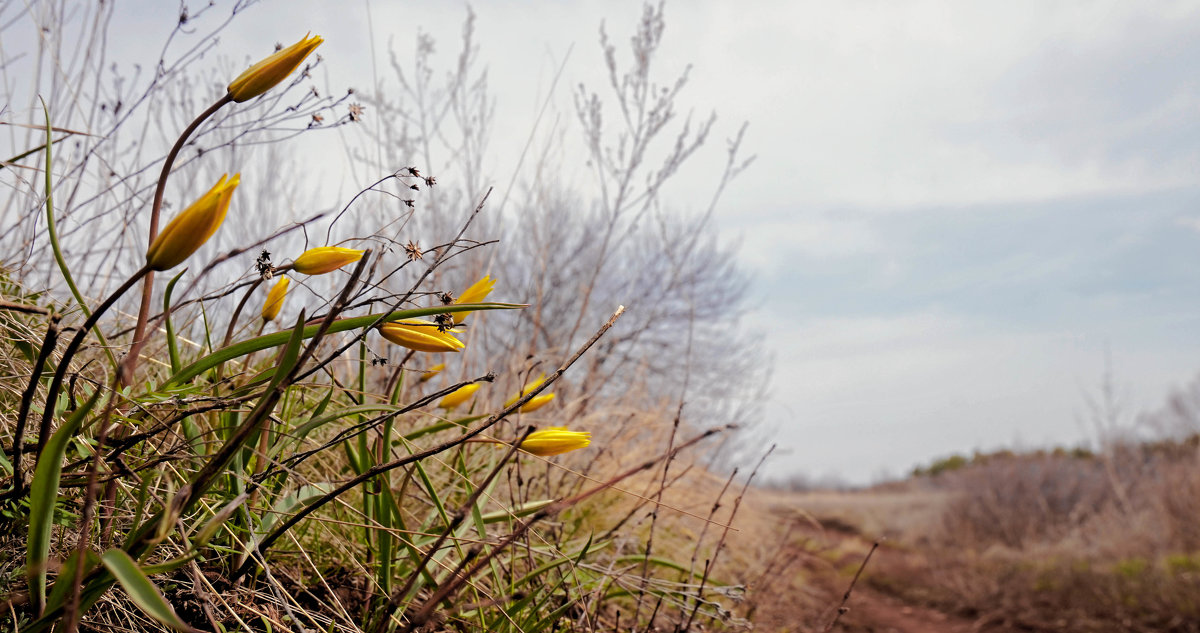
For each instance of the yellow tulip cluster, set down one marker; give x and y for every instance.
(197, 223)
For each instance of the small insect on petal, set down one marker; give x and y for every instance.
(419, 335)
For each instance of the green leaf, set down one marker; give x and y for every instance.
(66, 575)
(143, 592)
(315, 422)
(172, 346)
(524, 509)
(276, 339)
(52, 232)
(290, 503)
(43, 496)
(210, 529)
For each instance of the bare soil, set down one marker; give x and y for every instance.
(819, 559)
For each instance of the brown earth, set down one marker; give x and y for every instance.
(818, 560)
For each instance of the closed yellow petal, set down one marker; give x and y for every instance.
(274, 300)
(540, 400)
(476, 293)
(325, 259)
(267, 73)
(458, 396)
(431, 372)
(193, 227)
(537, 402)
(422, 336)
(555, 441)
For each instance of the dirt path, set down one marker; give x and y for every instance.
(875, 612)
(820, 561)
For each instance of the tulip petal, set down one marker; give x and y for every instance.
(267, 73)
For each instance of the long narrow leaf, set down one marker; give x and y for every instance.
(43, 496)
(52, 232)
(172, 345)
(143, 592)
(276, 339)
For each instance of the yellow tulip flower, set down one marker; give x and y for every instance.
(428, 374)
(476, 293)
(555, 441)
(458, 396)
(537, 402)
(419, 335)
(274, 302)
(324, 259)
(264, 75)
(192, 228)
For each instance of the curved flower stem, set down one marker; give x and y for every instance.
(63, 364)
(139, 333)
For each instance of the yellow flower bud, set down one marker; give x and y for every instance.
(555, 441)
(428, 374)
(264, 75)
(476, 293)
(274, 301)
(192, 228)
(324, 259)
(422, 336)
(458, 396)
(537, 402)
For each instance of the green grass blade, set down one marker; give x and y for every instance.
(54, 245)
(58, 594)
(143, 592)
(43, 496)
(524, 509)
(172, 345)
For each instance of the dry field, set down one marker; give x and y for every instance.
(1041, 542)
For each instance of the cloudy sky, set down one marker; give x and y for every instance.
(956, 207)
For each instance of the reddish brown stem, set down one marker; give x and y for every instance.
(139, 334)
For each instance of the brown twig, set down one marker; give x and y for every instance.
(425, 612)
(842, 608)
(27, 401)
(440, 448)
(459, 516)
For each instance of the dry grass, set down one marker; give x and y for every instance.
(1042, 542)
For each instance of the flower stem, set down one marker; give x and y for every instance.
(128, 366)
